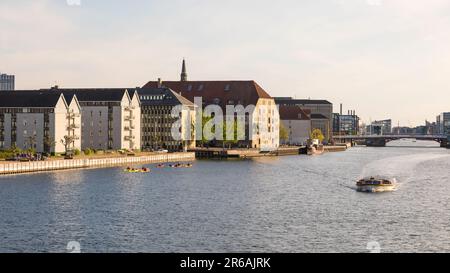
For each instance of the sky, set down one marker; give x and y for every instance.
(382, 58)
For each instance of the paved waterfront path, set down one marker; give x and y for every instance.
(53, 165)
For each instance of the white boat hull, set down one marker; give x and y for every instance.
(376, 188)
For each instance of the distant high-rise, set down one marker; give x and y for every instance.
(184, 76)
(443, 123)
(6, 82)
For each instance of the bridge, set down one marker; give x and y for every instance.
(381, 140)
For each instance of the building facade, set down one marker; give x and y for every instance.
(110, 118)
(7, 82)
(321, 111)
(443, 123)
(321, 122)
(386, 126)
(349, 124)
(297, 123)
(38, 121)
(262, 124)
(157, 106)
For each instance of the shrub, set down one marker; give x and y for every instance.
(76, 152)
(4, 154)
(88, 152)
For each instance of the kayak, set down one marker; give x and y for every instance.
(136, 171)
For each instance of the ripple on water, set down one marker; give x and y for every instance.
(286, 204)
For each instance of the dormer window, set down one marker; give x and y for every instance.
(227, 87)
(200, 87)
(189, 88)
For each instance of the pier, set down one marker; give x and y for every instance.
(223, 153)
(55, 165)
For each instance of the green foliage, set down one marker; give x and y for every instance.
(233, 124)
(4, 154)
(88, 151)
(317, 134)
(284, 134)
(76, 152)
(225, 125)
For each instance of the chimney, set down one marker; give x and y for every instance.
(341, 110)
(159, 83)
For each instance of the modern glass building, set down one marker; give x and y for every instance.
(443, 123)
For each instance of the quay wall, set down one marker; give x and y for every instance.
(54, 165)
(331, 149)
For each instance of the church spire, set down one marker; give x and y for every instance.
(184, 76)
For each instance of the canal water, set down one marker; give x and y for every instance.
(282, 204)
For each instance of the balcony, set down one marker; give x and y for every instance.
(129, 128)
(73, 115)
(73, 127)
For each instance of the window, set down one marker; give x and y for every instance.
(227, 87)
(200, 88)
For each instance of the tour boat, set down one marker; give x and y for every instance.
(373, 184)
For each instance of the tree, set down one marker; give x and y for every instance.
(205, 119)
(49, 143)
(284, 134)
(236, 132)
(317, 134)
(67, 141)
(31, 143)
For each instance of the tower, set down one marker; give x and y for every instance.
(184, 76)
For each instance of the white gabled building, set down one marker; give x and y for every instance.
(110, 118)
(38, 120)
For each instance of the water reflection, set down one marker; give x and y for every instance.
(289, 204)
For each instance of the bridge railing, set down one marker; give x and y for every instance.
(392, 136)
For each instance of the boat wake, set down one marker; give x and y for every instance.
(399, 169)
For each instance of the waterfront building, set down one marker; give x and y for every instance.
(39, 121)
(346, 124)
(443, 123)
(336, 123)
(321, 122)
(110, 118)
(7, 82)
(374, 129)
(157, 121)
(321, 111)
(297, 123)
(265, 117)
(385, 125)
(431, 128)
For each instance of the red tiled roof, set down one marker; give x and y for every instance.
(288, 112)
(217, 92)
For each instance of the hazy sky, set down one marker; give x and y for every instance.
(383, 58)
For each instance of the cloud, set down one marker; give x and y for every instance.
(336, 50)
